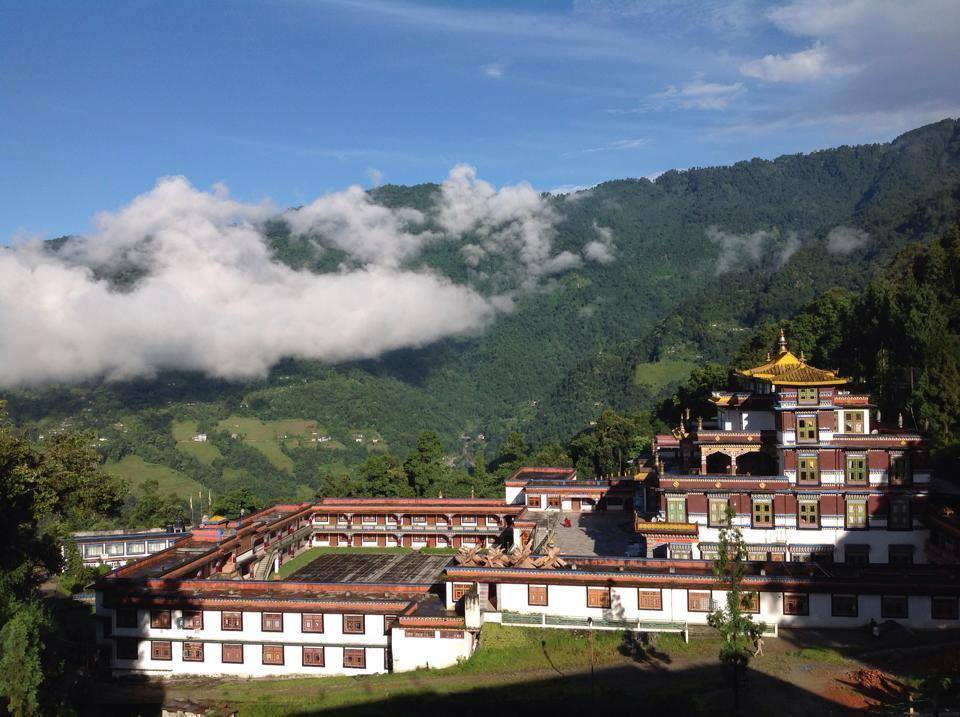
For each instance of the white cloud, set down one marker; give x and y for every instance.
(759, 248)
(843, 240)
(568, 189)
(619, 145)
(600, 250)
(698, 94)
(812, 64)
(213, 299)
(493, 69)
(375, 176)
(368, 232)
(513, 220)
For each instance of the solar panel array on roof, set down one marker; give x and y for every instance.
(412, 569)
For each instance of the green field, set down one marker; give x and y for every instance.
(183, 433)
(267, 436)
(660, 374)
(138, 471)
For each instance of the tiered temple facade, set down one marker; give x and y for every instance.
(806, 466)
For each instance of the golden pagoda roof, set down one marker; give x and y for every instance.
(788, 370)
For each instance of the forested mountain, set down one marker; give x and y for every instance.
(696, 261)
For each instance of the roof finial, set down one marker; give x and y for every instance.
(802, 357)
(782, 343)
(768, 355)
(899, 420)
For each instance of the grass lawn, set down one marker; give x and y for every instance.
(183, 433)
(659, 374)
(267, 436)
(138, 471)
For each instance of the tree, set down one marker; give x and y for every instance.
(736, 627)
(424, 466)
(238, 500)
(45, 490)
(383, 476)
(21, 659)
(152, 509)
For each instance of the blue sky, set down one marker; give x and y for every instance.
(289, 100)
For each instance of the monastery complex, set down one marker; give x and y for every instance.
(838, 510)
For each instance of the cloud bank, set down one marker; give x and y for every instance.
(210, 296)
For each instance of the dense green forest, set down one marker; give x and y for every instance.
(703, 258)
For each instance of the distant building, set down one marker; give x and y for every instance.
(200, 438)
(119, 547)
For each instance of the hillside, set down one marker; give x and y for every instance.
(695, 261)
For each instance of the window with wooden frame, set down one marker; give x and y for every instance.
(806, 429)
(160, 619)
(899, 518)
(193, 652)
(460, 589)
(355, 657)
(553, 501)
(313, 657)
(192, 619)
(796, 604)
(856, 473)
(353, 625)
(533, 501)
(856, 514)
(900, 470)
(808, 513)
(128, 648)
(900, 555)
(718, 512)
(807, 395)
(844, 605)
(311, 622)
(492, 521)
(161, 650)
(808, 469)
(231, 620)
(272, 655)
(368, 519)
(944, 608)
(856, 554)
(231, 654)
(650, 599)
(750, 602)
(418, 520)
(894, 606)
(126, 617)
(763, 512)
(699, 600)
(853, 422)
(676, 510)
(271, 621)
(537, 595)
(598, 597)
(468, 520)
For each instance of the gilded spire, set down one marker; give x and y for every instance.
(782, 343)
